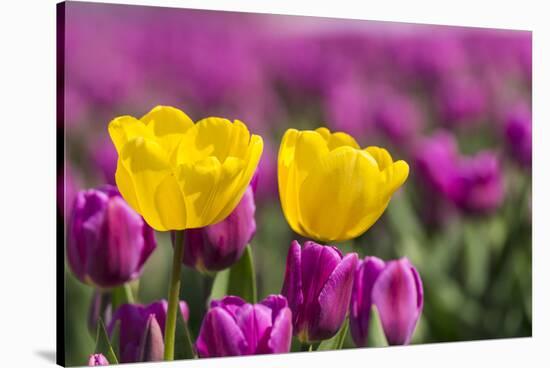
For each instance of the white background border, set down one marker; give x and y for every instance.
(27, 180)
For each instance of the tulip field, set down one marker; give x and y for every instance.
(238, 184)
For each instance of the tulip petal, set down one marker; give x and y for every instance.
(381, 155)
(337, 139)
(360, 306)
(125, 185)
(396, 175)
(335, 296)
(171, 204)
(147, 165)
(125, 128)
(167, 124)
(280, 336)
(117, 257)
(395, 295)
(349, 183)
(255, 322)
(287, 179)
(151, 347)
(215, 137)
(220, 335)
(292, 285)
(231, 194)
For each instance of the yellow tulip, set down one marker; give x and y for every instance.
(178, 174)
(330, 188)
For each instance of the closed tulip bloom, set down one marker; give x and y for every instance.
(139, 337)
(330, 188)
(366, 274)
(218, 246)
(180, 175)
(318, 284)
(97, 360)
(233, 327)
(398, 296)
(108, 242)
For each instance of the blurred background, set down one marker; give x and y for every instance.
(455, 103)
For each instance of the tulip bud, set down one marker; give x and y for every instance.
(97, 360)
(233, 327)
(365, 275)
(151, 348)
(318, 284)
(218, 246)
(396, 290)
(108, 242)
(138, 335)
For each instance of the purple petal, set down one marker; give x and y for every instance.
(255, 322)
(365, 276)
(151, 347)
(220, 335)
(97, 360)
(118, 251)
(281, 333)
(396, 297)
(334, 299)
(292, 286)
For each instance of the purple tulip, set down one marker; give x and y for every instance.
(318, 284)
(108, 242)
(398, 117)
(396, 290)
(233, 327)
(366, 274)
(518, 132)
(97, 360)
(474, 184)
(218, 246)
(139, 335)
(477, 186)
(462, 100)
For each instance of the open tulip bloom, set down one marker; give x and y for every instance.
(181, 175)
(330, 188)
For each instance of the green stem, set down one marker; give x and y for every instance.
(306, 346)
(248, 250)
(128, 293)
(173, 297)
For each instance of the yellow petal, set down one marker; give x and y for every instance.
(147, 165)
(338, 193)
(381, 155)
(125, 128)
(215, 137)
(231, 195)
(170, 204)
(125, 186)
(396, 174)
(167, 124)
(286, 173)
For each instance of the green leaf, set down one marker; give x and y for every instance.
(103, 344)
(239, 280)
(376, 338)
(183, 347)
(337, 341)
(115, 338)
(220, 285)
